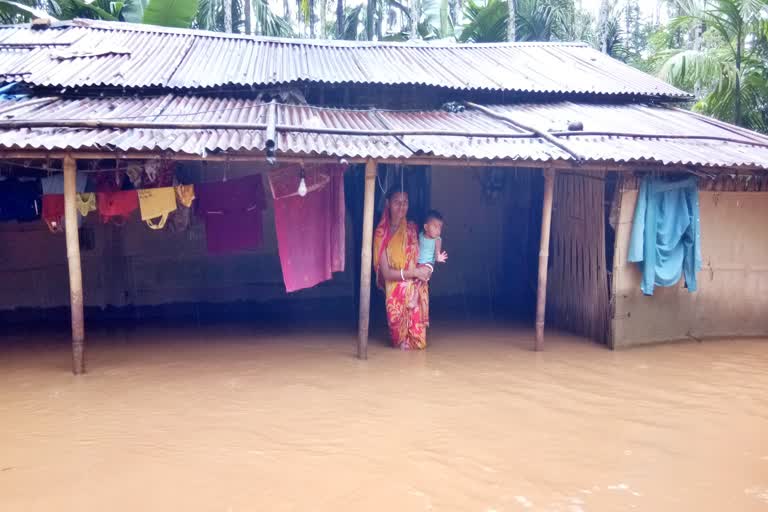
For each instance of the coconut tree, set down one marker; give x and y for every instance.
(22, 11)
(728, 63)
(535, 20)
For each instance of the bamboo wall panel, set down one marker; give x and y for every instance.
(577, 288)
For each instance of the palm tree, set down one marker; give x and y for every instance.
(485, 23)
(729, 67)
(23, 11)
(535, 20)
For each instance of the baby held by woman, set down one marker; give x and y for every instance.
(430, 245)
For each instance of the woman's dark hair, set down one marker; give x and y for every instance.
(395, 189)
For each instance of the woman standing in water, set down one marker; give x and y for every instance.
(395, 253)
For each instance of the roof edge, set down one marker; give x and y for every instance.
(140, 27)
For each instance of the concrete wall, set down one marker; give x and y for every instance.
(133, 265)
(732, 296)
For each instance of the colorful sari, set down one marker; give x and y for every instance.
(407, 302)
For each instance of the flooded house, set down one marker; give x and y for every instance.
(163, 170)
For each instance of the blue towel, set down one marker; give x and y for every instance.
(666, 237)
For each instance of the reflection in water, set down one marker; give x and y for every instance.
(231, 419)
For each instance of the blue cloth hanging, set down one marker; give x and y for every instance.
(666, 236)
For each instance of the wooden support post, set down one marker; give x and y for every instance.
(73, 261)
(546, 223)
(366, 259)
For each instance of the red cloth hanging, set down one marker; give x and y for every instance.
(117, 206)
(310, 229)
(53, 211)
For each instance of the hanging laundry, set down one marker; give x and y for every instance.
(85, 203)
(116, 207)
(158, 173)
(53, 212)
(109, 181)
(180, 219)
(20, 200)
(310, 229)
(666, 237)
(155, 205)
(53, 200)
(232, 211)
(135, 173)
(185, 194)
(55, 184)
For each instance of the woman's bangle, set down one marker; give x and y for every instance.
(402, 276)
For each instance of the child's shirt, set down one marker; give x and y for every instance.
(426, 249)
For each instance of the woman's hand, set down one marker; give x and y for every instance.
(422, 273)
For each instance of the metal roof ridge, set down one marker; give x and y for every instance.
(341, 43)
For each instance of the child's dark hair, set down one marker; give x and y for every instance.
(433, 215)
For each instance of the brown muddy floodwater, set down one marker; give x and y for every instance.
(233, 419)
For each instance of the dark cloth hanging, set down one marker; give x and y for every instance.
(310, 229)
(232, 211)
(20, 200)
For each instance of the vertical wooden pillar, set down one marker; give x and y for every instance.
(73, 261)
(546, 223)
(366, 260)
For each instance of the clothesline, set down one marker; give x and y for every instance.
(310, 227)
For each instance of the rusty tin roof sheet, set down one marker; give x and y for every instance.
(611, 133)
(87, 53)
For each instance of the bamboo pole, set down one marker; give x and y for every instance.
(366, 259)
(73, 262)
(546, 222)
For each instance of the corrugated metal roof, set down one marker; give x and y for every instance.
(189, 59)
(612, 133)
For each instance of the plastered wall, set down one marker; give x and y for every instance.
(732, 296)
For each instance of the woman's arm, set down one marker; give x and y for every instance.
(390, 274)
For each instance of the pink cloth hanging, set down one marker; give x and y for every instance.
(310, 229)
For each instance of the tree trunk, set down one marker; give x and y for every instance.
(323, 18)
(227, 16)
(737, 106)
(311, 19)
(247, 14)
(511, 20)
(697, 41)
(602, 28)
(415, 17)
(369, 19)
(339, 19)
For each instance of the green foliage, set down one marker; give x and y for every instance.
(170, 13)
(19, 12)
(719, 54)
